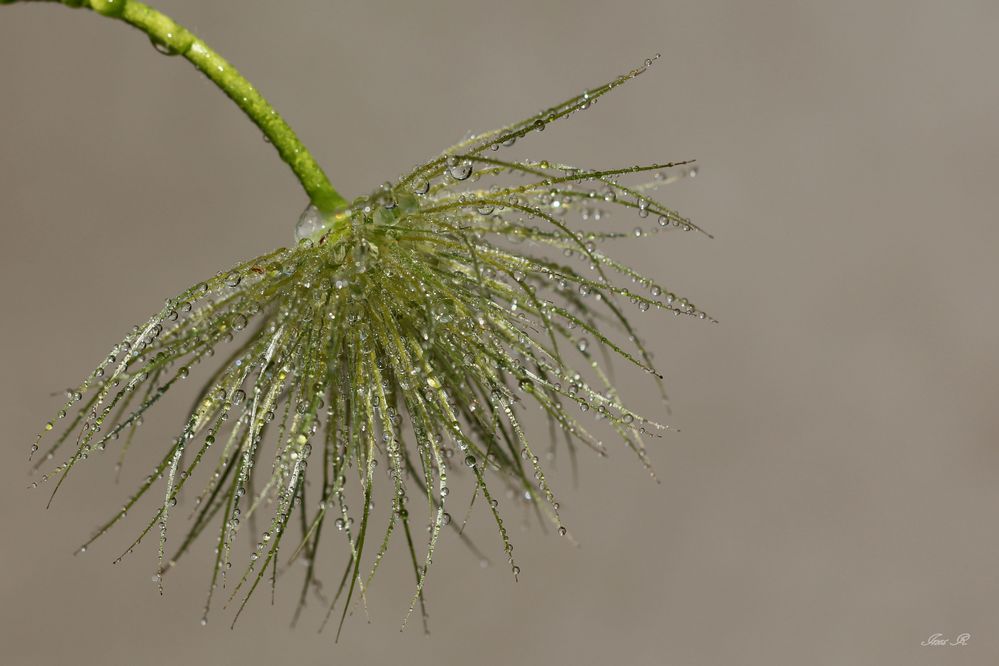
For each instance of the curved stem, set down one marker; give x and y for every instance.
(174, 39)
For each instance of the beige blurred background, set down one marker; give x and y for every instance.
(833, 496)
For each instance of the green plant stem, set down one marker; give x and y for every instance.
(174, 39)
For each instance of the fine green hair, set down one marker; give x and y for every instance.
(397, 343)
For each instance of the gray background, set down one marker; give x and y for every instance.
(832, 497)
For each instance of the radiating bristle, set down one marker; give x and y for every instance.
(412, 328)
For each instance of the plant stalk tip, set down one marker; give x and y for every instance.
(171, 38)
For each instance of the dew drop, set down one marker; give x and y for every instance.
(421, 186)
(461, 171)
(162, 48)
(311, 223)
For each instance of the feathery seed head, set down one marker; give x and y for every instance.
(408, 330)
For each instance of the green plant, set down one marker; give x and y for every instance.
(410, 326)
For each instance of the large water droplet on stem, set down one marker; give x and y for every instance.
(311, 223)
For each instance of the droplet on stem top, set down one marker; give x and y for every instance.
(310, 224)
